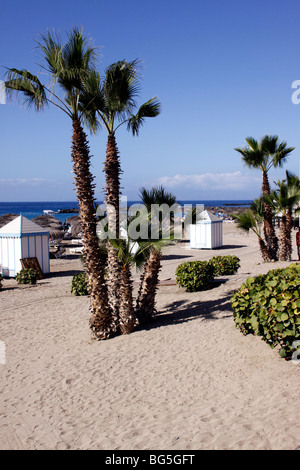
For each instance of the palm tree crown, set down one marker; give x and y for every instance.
(265, 153)
(69, 66)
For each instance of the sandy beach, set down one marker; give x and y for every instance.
(190, 381)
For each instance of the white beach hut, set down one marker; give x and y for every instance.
(207, 232)
(21, 238)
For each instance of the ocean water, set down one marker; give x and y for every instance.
(33, 209)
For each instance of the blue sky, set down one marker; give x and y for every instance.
(222, 71)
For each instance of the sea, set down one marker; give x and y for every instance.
(34, 209)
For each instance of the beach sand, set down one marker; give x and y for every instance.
(190, 381)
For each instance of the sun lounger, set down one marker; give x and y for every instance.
(75, 251)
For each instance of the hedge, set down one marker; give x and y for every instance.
(79, 285)
(269, 306)
(195, 275)
(225, 265)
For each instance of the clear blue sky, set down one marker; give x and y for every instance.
(222, 70)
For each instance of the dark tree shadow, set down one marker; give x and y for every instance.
(169, 257)
(182, 311)
(66, 273)
(4, 288)
(230, 247)
(223, 247)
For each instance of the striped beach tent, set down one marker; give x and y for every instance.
(207, 232)
(21, 238)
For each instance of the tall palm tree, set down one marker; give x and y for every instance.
(264, 155)
(115, 106)
(252, 219)
(293, 183)
(70, 67)
(284, 200)
(159, 197)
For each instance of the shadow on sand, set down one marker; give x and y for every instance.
(169, 257)
(223, 247)
(63, 273)
(183, 311)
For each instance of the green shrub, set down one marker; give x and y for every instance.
(195, 275)
(27, 276)
(79, 285)
(225, 265)
(1, 280)
(269, 306)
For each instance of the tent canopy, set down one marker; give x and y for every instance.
(207, 232)
(21, 226)
(21, 238)
(207, 216)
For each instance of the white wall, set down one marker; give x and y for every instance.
(13, 249)
(206, 235)
(10, 255)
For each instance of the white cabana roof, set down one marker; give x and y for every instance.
(22, 227)
(207, 216)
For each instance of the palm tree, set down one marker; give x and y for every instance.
(252, 219)
(127, 256)
(264, 155)
(114, 107)
(284, 200)
(293, 183)
(157, 196)
(70, 67)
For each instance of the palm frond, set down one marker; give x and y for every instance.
(51, 46)
(25, 84)
(282, 154)
(249, 220)
(91, 100)
(68, 64)
(121, 87)
(253, 143)
(147, 110)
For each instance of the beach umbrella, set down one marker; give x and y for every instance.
(52, 225)
(73, 219)
(76, 230)
(45, 218)
(47, 221)
(6, 218)
(55, 234)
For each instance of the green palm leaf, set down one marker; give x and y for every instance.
(149, 109)
(29, 85)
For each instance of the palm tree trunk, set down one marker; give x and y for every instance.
(145, 306)
(112, 176)
(284, 248)
(101, 321)
(289, 220)
(269, 230)
(127, 317)
(264, 250)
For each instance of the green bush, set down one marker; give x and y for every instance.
(1, 280)
(27, 276)
(79, 285)
(225, 265)
(195, 275)
(269, 306)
